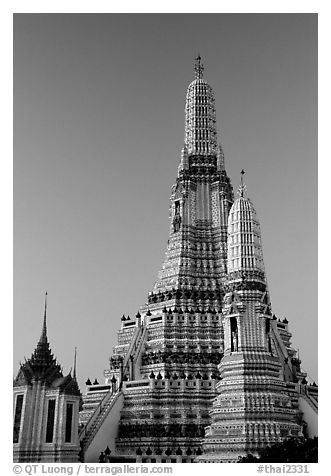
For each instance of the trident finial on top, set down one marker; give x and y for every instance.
(198, 67)
(242, 186)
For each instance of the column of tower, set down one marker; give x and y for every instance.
(255, 406)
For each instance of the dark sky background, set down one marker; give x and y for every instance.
(98, 127)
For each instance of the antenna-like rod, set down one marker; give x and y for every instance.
(75, 358)
(198, 67)
(242, 186)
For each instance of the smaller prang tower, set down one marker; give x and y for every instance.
(257, 403)
(46, 408)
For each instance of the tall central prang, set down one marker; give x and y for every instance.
(195, 262)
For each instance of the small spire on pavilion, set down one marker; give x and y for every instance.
(242, 186)
(198, 68)
(43, 337)
(42, 365)
(75, 360)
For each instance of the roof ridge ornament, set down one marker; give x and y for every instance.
(242, 186)
(198, 68)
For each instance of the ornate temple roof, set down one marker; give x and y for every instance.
(42, 366)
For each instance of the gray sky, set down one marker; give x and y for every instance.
(98, 127)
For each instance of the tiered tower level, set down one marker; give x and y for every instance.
(210, 300)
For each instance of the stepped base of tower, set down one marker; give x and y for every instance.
(165, 418)
(179, 409)
(179, 420)
(156, 420)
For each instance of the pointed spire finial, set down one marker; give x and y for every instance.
(198, 67)
(242, 186)
(43, 337)
(75, 358)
